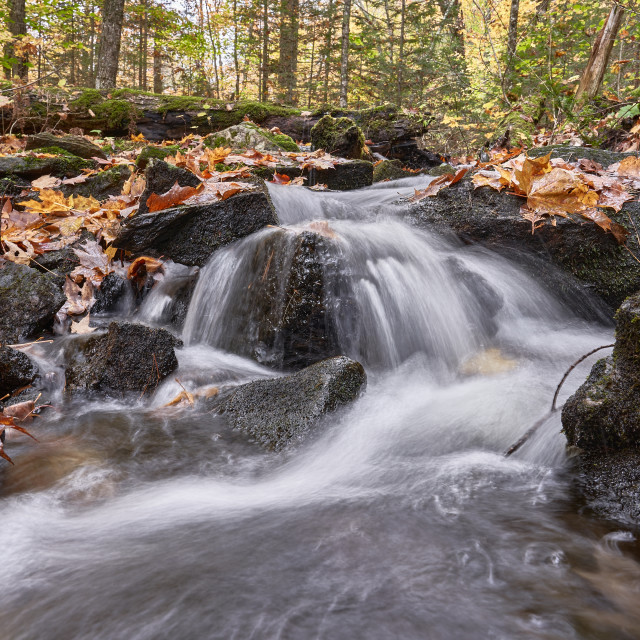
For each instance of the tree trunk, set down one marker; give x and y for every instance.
(287, 67)
(265, 51)
(327, 53)
(236, 66)
(344, 63)
(512, 41)
(109, 44)
(157, 65)
(599, 58)
(17, 28)
(401, 51)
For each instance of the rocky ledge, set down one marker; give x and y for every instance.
(602, 421)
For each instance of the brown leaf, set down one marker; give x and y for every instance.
(435, 186)
(280, 178)
(82, 327)
(46, 182)
(614, 198)
(531, 168)
(172, 198)
(21, 411)
(629, 166)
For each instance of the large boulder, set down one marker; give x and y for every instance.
(16, 370)
(127, 358)
(102, 185)
(29, 301)
(281, 320)
(76, 145)
(189, 234)
(160, 177)
(339, 136)
(278, 411)
(31, 167)
(584, 250)
(390, 170)
(248, 135)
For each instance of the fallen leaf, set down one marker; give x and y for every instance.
(46, 182)
(172, 198)
(82, 326)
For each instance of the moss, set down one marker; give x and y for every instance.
(117, 114)
(123, 93)
(341, 136)
(159, 153)
(213, 142)
(181, 103)
(389, 170)
(88, 99)
(57, 151)
(284, 141)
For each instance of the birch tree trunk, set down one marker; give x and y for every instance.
(109, 44)
(344, 63)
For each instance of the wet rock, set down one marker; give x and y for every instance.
(16, 370)
(411, 155)
(77, 145)
(113, 293)
(127, 358)
(389, 170)
(278, 411)
(102, 185)
(583, 250)
(154, 153)
(30, 167)
(29, 301)
(282, 320)
(247, 135)
(160, 177)
(604, 413)
(190, 234)
(339, 136)
(62, 262)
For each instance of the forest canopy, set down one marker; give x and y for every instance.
(468, 65)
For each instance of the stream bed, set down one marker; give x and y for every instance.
(399, 517)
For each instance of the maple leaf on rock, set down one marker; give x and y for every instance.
(172, 198)
(94, 263)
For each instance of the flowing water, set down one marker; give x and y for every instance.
(401, 518)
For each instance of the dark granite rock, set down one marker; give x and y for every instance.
(16, 370)
(190, 234)
(113, 290)
(278, 411)
(102, 185)
(160, 177)
(348, 175)
(29, 301)
(31, 167)
(127, 358)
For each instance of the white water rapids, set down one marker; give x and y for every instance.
(400, 519)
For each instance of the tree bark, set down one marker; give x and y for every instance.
(109, 44)
(264, 82)
(599, 58)
(288, 64)
(327, 52)
(512, 42)
(344, 63)
(157, 65)
(17, 28)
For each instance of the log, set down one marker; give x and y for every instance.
(77, 145)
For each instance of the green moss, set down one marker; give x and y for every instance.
(213, 142)
(88, 99)
(389, 170)
(159, 153)
(117, 114)
(123, 93)
(284, 141)
(341, 136)
(57, 151)
(181, 103)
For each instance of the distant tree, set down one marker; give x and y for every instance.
(109, 44)
(344, 63)
(17, 28)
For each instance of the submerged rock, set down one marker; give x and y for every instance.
(345, 176)
(584, 250)
(189, 234)
(339, 136)
(278, 411)
(16, 370)
(29, 301)
(112, 293)
(127, 358)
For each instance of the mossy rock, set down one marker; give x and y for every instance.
(338, 136)
(158, 153)
(61, 166)
(88, 99)
(389, 170)
(248, 135)
(102, 185)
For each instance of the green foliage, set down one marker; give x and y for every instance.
(117, 114)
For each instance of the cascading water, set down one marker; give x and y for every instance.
(400, 520)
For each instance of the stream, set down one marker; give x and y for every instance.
(400, 517)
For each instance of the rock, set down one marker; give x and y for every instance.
(247, 135)
(279, 411)
(102, 185)
(338, 136)
(16, 370)
(190, 234)
(604, 413)
(29, 301)
(160, 177)
(583, 250)
(345, 176)
(77, 145)
(156, 153)
(411, 155)
(62, 262)
(113, 292)
(127, 358)
(31, 167)
(282, 319)
(390, 170)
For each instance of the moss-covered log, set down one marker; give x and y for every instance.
(161, 117)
